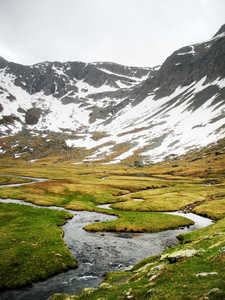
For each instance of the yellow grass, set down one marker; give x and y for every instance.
(214, 209)
(163, 187)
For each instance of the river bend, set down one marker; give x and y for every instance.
(97, 253)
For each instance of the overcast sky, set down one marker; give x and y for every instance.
(130, 32)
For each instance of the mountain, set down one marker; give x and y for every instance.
(109, 112)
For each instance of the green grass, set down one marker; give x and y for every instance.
(30, 241)
(213, 209)
(177, 195)
(31, 245)
(140, 222)
(4, 180)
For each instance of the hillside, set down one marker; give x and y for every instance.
(112, 113)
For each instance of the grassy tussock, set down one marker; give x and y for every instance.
(141, 222)
(31, 246)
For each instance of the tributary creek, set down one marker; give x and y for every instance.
(97, 253)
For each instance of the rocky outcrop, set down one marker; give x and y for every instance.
(32, 116)
(9, 120)
(188, 65)
(179, 255)
(124, 70)
(55, 78)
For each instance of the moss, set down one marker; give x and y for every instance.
(62, 296)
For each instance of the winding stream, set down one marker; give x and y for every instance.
(97, 253)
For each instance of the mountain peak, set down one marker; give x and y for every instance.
(115, 112)
(220, 31)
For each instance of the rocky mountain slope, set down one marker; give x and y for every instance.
(114, 112)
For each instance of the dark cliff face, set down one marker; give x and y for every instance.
(123, 70)
(220, 31)
(185, 66)
(57, 79)
(188, 65)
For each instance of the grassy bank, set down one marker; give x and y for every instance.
(140, 222)
(31, 245)
(195, 269)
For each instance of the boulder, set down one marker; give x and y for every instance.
(32, 116)
(213, 292)
(179, 255)
(138, 163)
(206, 274)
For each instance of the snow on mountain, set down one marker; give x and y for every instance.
(118, 111)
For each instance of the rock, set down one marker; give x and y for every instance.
(89, 290)
(195, 158)
(205, 274)
(138, 163)
(8, 120)
(178, 255)
(68, 100)
(218, 233)
(222, 250)
(151, 291)
(21, 110)
(145, 267)
(155, 270)
(129, 294)
(219, 153)
(105, 285)
(32, 116)
(213, 292)
(153, 277)
(129, 268)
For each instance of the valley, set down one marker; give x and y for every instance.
(112, 178)
(84, 187)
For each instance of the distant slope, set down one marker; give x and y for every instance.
(117, 111)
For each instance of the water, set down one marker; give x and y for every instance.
(98, 253)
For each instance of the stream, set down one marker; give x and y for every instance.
(97, 253)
